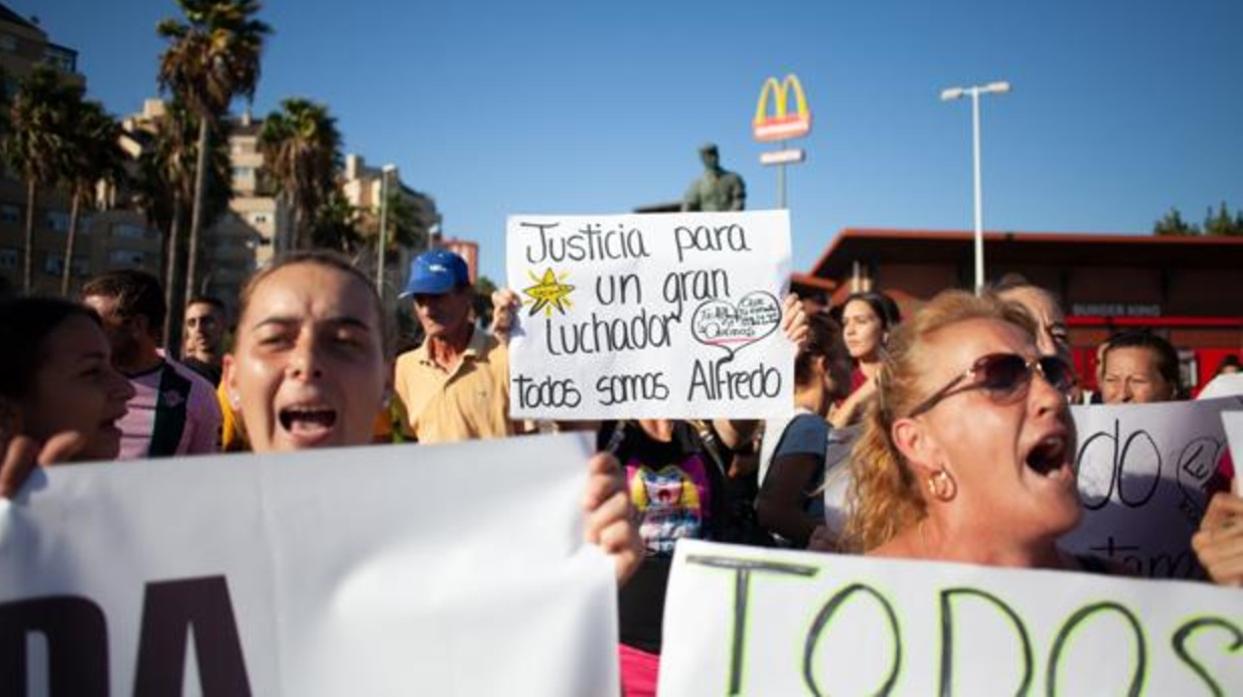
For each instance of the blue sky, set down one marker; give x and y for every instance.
(1120, 108)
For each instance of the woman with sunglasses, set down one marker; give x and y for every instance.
(968, 453)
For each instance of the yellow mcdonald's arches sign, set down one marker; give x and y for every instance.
(781, 124)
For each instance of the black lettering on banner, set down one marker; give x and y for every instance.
(947, 637)
(622, 289)
(543, 239)
(698, 284)
(1117, 467)
(77, 645)
(596, 335)
(715, 238)
(175, 610)
(742, 569)
(532, 393)
(1063, 635)
(1121, 469)
(1179, 641)
(588, 243)
(718, 383)
(1196, 463)
(826, 615)
(1182, 564)
(619, 389)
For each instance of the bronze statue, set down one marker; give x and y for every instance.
(718, 189)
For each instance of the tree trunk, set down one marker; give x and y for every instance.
(74, 209)
(30, 234)
(196, 218)
(296, 241)
(172, 256)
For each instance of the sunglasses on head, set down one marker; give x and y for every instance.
(1003, 375)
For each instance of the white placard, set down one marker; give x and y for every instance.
(650, 316)
(1224, 385)
(746, 621)
(1233, 423)
(1141, 472)
(396, 570)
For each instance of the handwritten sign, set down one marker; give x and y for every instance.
(397, 570)
(1233, 422)
(1141, 473)
(748, 621)
(658, 316)
(1224, 385)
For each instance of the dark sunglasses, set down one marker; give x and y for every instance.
(1003, 376)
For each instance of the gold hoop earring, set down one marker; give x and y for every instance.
(941, 486)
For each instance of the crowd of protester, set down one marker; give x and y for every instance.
(943, 435)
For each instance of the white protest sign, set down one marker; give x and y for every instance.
(1141, 472)
(396, 570)
(1224, 385)
(742, 620)
(1233, 423)
(657, 316)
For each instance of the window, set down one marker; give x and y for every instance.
(60, 58)
(10, 213)
(243, 172)
(125, 257)
(128, 231)
(8, 43)
(58, 221)
(9, 258)
(54, 264)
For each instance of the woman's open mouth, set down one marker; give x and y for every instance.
(1048, 456)
(308, 423)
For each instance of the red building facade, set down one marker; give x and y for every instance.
(1187, 289)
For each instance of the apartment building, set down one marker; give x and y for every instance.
(106, 239)
(362, 185)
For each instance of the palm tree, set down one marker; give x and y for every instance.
(164, 185)
(337, 225)
(164, 188)
(36, 143)
(302, 149)
(95, 154)
(210, 59)
(407, 225)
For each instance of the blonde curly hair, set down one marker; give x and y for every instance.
(884, 495)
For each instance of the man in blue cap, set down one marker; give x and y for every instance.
(456, 385)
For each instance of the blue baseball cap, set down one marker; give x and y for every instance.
(436, 272)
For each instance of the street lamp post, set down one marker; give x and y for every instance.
(379, 271)
(975, 91)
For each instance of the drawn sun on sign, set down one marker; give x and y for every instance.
(547, 293)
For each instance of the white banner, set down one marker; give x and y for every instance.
(1142, 470)
(746, 621)
(1224, 385)
(633, 316)
(1233, 423)
(398, 570)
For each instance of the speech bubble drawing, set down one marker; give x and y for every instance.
(733, 326)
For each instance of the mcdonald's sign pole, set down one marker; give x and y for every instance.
(781, 125)
(975, 91)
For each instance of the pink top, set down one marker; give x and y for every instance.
(171, 405)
